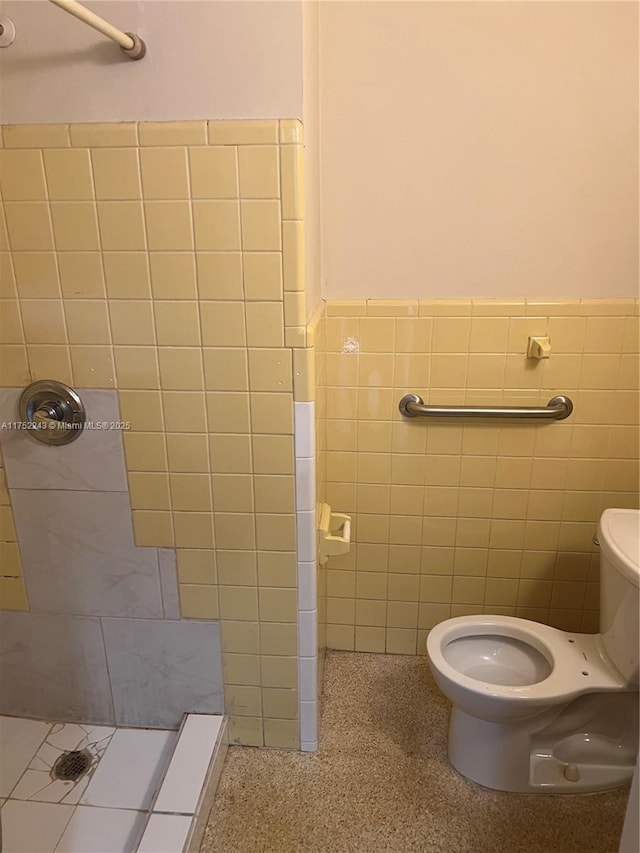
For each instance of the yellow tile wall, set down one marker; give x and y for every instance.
(165, 260)
(13, 595)
(461, 517)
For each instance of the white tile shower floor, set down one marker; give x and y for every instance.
(109, 808)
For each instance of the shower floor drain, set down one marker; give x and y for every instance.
(71, 766)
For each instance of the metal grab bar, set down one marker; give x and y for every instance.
(557, 409)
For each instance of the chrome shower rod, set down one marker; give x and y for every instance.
(130, 44)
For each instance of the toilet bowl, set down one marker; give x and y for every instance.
(535, 708)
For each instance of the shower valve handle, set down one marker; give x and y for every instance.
(53, 411)
(48, 414)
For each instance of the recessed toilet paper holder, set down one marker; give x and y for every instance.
(334, 533)
(51, 412)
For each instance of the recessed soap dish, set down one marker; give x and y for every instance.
(334, 533)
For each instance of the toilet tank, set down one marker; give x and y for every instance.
(619, 536)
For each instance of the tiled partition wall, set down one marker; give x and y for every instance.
(460, 517)
(316, 340)
(165, 260)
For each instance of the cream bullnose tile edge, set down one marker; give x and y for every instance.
(291, 131)
(191, 780)
(243, 131)
(154, 133)
(159, 133)
(307, 586)
(308, 634)
(36, 136)
(304, 430)
(305, 485)
(308, 706)
(309, 724)
(307, 678)
(392, 308)
(479, 308)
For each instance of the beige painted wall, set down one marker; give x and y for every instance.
(205, 60)
(311, 110)
(479, 149)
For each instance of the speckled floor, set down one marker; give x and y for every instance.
(381, 782)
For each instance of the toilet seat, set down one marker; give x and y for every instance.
(497, 659)
(576, 663)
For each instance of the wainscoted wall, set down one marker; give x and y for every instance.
(460, 517)
(165, 260)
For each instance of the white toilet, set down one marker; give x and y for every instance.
(536, 709)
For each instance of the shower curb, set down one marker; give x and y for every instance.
(189, 785)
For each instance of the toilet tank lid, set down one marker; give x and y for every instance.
(620, 538)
